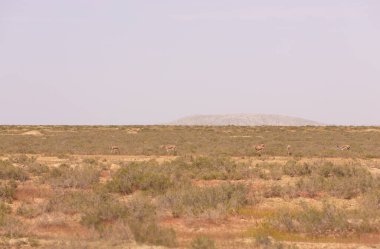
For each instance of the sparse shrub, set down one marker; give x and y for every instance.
(4, 211)
(91, 161)
(22, 159)
(68, 177)
(143, 223)
(8, 172)
(138, 176)
(37, 169)
(342, 181)
(266, 242)
(292, 168)
(326, 221)
(371, 201)
(28, 211)
(269, 171)
(8, 190)
(202, 242)
(209, 168)
(199, 201)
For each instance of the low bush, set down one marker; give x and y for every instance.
(69, 177)
(10, 172)
(198, 201)
(148, 176)
(202, 242)
(8, 190)
(326, 221)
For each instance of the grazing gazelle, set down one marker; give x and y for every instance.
(115, 149)
(343, 147)
(169, 148)
(259, 148)
(289, 149)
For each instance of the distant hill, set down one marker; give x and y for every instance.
(244, 120)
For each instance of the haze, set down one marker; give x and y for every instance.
(147, 62)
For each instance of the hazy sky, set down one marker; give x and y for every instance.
(144, 62)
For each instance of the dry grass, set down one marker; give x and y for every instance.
(69, 192)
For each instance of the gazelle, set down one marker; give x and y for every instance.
(169, 148)
(259, 148)
(115, 149)
(289, 150)
(343, 147)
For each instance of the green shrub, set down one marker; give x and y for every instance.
(141, 176)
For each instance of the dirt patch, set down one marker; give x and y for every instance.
(32, 133)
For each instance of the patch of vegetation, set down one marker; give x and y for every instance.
(196, 201)
(73, 177)
(202, 242)
(8, 190)
(10, 172)
(146, 176)
(326, 221)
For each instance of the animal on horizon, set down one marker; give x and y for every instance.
(115, 149)
(289, 150)
(259, 148)
(169, 148)
(343, 147)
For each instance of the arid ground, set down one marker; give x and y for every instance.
(63, 187)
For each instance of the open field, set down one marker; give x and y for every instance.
(62, 187)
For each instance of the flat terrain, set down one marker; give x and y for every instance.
(62, 187)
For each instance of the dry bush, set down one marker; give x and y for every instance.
(341, 181)
(145, 176)
(29, 211)
(135, 220)
(326, 221)
(8, 190)
(266, 242)
(197, 201)
(69, 177)
(10, 172)
(202, 242)
(268, 171)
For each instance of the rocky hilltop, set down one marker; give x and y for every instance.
(244, 120)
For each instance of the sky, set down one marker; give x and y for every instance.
(148, 61)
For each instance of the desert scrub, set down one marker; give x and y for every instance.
(208, 168)
(268, 171)
(293, 168)
(197, 201)
(29, 210)
(99, 210)
(341, 181)
(8, 190)
(147, 176)
(371, 202)
(202, 242)
(267, 242)
(326, 221)
(8, 171)
(69, 177)
(4, 211)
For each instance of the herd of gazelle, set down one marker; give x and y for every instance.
(168, 147)
(258, 147)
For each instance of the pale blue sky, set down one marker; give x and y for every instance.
(144, 62)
